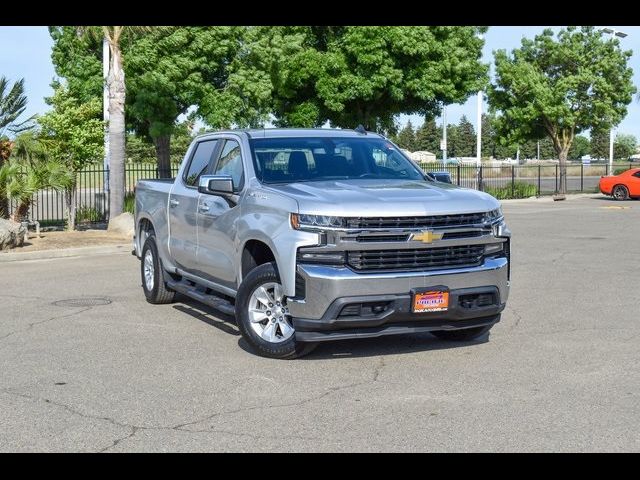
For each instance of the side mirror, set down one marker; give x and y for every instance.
(216, 184)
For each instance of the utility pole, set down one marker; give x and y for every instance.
(105, 109)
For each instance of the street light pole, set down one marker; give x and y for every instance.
(444, 135)
(479, 131)
(617, 33)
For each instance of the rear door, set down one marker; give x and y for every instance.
(183, 205)
(217, 217)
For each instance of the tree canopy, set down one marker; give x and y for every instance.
(368, 75)
(559, 87)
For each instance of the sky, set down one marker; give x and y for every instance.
(25, 52)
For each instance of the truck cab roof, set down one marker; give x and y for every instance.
(293, 132)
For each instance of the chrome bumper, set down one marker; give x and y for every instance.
(325, 284)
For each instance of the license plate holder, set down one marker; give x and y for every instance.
(430, 299)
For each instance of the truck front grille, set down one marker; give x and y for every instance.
(417, 222)
(418, 259)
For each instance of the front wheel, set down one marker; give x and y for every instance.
(263, 316)
(464, 335)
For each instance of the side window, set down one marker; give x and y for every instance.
(199, 162)
(637, 174)
(230, 163)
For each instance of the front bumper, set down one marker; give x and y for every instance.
(328, 289)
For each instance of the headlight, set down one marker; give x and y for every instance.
(493, 215)
(302, 221)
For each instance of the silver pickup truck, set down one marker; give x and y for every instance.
(309, 235)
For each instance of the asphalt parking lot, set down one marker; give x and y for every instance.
(560, 372)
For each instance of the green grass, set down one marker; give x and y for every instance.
(86, 214)
(518, 190)
(130, 202)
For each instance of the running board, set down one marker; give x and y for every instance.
(196, 292)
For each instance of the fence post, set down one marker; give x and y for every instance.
(606, 169)
(458, 173)
(539, 174)
(480, 178)
(582, 177)
(513, 180)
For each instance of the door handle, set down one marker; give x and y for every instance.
(173, 203)
(204, 208)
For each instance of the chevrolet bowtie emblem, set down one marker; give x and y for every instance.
(426, 236)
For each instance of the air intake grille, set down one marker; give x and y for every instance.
(420, 259)
(417, 222)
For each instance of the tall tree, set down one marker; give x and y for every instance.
(624, 145)
(74, 137)
(13, 103)
(174, 68)
(428, 137)
(466, 146)
(368, 75)
(453, 141)
(599, 143)
(561, 86)
(406, 137)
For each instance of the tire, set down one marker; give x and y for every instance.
(154, 285)
(464, 335)
(271, 333)
(620, 192)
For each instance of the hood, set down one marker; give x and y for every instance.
(371, 197)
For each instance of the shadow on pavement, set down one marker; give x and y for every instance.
(375, 347)
(208, 315)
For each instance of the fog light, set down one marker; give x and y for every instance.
(493, 248)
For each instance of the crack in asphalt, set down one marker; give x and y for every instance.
(33, 324)
(181, 427)
(518, 318)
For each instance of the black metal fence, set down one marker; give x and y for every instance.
(502, 181)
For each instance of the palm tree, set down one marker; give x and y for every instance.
(117, 96)
(29, 170)
(13, 103)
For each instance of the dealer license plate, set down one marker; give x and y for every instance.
(430, 301)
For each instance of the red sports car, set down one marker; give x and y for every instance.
(623, 186)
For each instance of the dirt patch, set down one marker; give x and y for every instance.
(60, 240)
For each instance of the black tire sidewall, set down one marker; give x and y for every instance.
(150, 244)
(290, 348)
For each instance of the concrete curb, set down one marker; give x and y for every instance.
(66, 252)
(549, 198)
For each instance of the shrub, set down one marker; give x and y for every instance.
(130, 202)
(519, 190)
(86, 214)
(618, 171)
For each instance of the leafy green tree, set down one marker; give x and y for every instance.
(173, 68)
(74, 137)
(599, 143)
(13, 103)
(368, 75)
(579, 148)
(466, 138)
(559, 87)
(428, 137)
(406, 138)
(624, 145)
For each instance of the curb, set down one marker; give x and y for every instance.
(549, 198)
(66, 252)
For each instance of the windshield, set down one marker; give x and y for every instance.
(286, 160)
